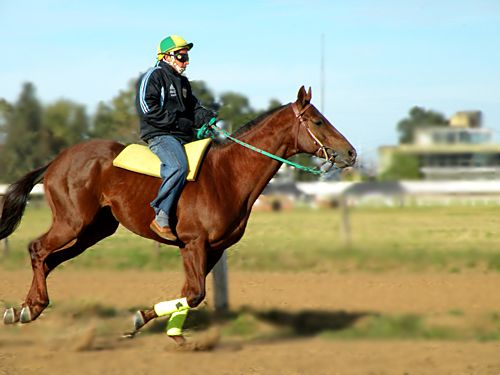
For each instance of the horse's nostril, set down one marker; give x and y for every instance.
(351, 153)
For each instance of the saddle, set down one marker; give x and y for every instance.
(141, 159)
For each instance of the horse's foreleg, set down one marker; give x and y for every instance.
(212, 258)
(177, 309)
(194, 256)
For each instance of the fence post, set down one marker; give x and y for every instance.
(345, 223)
(6, 249)
(219, 272)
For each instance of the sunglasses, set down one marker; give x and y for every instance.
(181, 57)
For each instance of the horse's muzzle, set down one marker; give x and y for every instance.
(342, 159)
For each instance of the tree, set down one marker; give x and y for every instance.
(64, 124)
(5, 112)
(204, 95)
(418, 118)
(118, 120)
(235, 110)
(103, 122)
(403, 167)
(31, 135)
(125, 118)
(22, 150)
(273, 103)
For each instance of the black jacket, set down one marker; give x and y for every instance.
(166, 105)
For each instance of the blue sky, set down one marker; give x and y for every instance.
(381, 57)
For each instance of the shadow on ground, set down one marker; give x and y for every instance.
(295, 324)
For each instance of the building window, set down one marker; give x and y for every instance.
(464, 137)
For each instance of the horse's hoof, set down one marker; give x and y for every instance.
(139, 320)
(179, 340)
(129, 335)
(10, 316)
(25, 315)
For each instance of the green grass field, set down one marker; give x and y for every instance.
(448, 240)
(451, 239)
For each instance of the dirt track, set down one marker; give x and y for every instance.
(54, 343)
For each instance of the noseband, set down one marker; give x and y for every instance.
(321, 147)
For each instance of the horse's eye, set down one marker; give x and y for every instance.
(318, 122)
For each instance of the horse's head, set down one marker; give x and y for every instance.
(317, 136)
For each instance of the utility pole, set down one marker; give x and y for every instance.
(322, 73)
(6, 247)
(221, 298)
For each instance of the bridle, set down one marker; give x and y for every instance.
(210, 129)
(321, 147)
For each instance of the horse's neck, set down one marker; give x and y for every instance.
(250, 171)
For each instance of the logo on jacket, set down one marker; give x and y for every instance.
(172, 91)
(184, 93)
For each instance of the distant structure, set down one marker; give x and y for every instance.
(461, 151)
(3, 134)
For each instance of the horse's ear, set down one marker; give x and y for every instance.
(303, 97)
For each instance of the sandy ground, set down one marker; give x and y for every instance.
(57, 344)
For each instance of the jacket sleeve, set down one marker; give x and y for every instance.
(202, 115)
(150, 98)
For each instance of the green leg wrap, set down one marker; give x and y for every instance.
(176, 322)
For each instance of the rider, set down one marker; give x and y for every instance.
(169, 114)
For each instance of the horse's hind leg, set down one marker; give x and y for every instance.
(58, 236)
(45, 257)
(39, 249)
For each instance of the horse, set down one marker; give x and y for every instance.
(89, 198)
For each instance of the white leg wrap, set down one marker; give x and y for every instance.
(170, 307)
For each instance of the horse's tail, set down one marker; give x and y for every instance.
(15, 200)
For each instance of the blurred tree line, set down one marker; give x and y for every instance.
(405, 166)
(32, 134)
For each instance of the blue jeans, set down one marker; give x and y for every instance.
(173, 171)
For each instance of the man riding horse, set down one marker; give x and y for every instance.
(89, 197)
(169, 113)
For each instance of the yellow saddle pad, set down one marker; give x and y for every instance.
(141, 159)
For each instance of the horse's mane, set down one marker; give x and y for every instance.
(248, 126)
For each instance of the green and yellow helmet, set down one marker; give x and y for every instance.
(172, 43)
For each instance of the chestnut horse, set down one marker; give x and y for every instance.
(89, 197)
